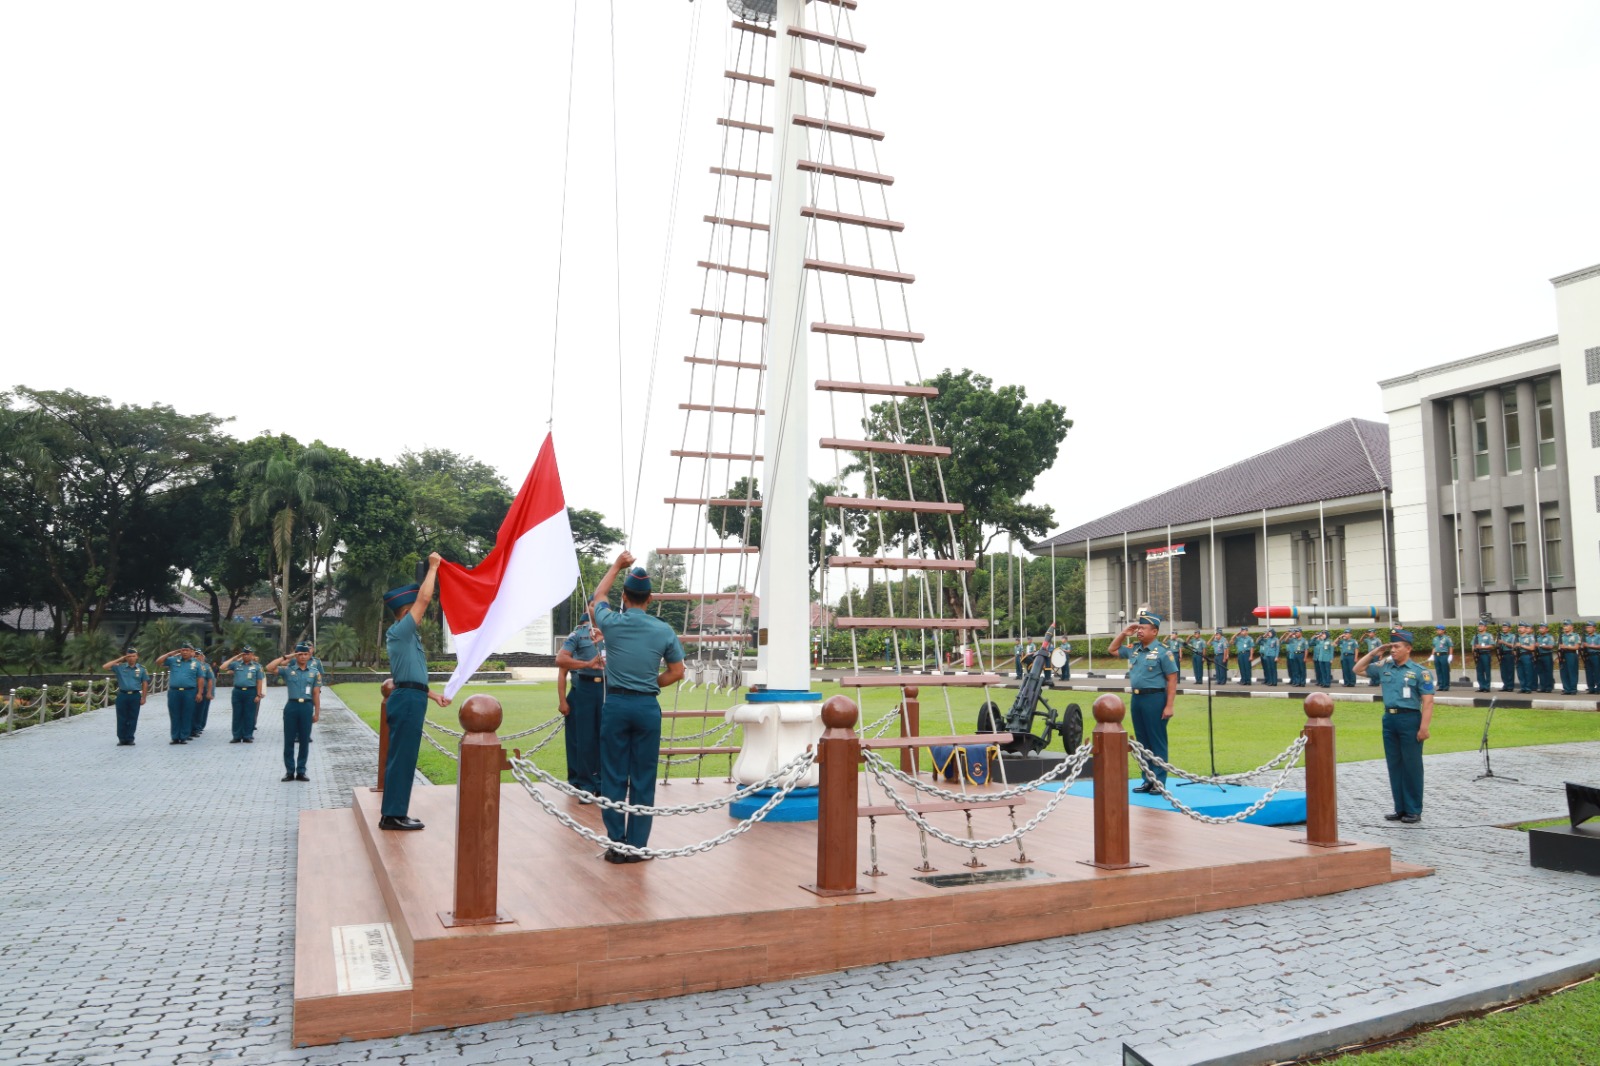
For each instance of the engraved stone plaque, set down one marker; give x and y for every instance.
(367, 958)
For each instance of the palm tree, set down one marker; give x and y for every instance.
(160, 636)
(234, 635)
(87, 651)
(338, 643)
(289, 495)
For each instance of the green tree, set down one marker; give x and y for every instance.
(338, 643)
(89, 651)
(590, 533)
(159, 637)
(825, 527)
(377, 548)
(459, 503)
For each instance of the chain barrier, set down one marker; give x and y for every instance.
(440, 748)
(1151, 758)
(990, 842)
(796, 770)
(520, 766)
(1073, 762)
(724, 728)
(559, 719)
(1142, 754)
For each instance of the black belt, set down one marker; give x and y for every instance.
(244, 688)
(185, 688)
(1403, 710)
(585, 677)
(306, 700)
(129, 691)
(1147, 691)
(633, 692)
(414, 686)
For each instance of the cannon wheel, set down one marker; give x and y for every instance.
(1072, 728)
(989, 718)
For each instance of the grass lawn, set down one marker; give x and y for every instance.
(1562, 1028)
(1249, 731)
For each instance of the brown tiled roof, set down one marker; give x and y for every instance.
(1348, 458)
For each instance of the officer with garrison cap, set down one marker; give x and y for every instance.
(580, 663)
(204, 692)
(1443, 652)
(133, 686)
(1591, 658)
(1505, 647)
(1197, 656)
(1243, 647)
(249, 686)
(1347, 658)
(1267, 651)
(1544, 659)
(302, 707)
(1370, 642)
(1483, 645)
(1219, 659)
(1407, 716)
(1294, 656)
(630, 722)
(1153, 681)
(1570, 648)
(183, 675)
(1526, 643)
(408, 703)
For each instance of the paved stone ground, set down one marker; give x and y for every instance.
(146, 902)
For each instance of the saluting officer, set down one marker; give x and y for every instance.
(182, 678)
(579, 661)
(1197, 656)
(1243, 646)
(1219, 659)
(1267, 651)
(1322, 658)
(205, 691)
(630, 722)
(1483, 645)
(1370, 642)
(1407, 717)
(1347, 658)
(249, 686)
(301, 709)
(1443, 652)
(1591, 657)
(1153, 681)
(1544, 659)
(1571, 650)
(133, 687)
(1526, 644)
(408, 703)
(1505, 647)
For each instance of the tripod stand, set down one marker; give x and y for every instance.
(1211, 739)
(1483, 747)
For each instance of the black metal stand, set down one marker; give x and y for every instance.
(1211, 739)
(1483, 747)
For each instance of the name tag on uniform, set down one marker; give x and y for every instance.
(1405, 692)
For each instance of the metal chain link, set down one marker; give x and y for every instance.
(1161, 786)
(521, 766)
(1146, 755)
(443, 728)
(559, 719)
(725, 728)
(673, 853)
(991, 842)
(440, 748)
(1073, 762)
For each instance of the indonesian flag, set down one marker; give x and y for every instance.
(533, 567)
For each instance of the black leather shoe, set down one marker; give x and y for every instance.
(390, 821)
(1393, 816)
(236, 740)
(1146, 788)
(249, 740)
(1410, 819)
(301, 777)
(288, 777)
(638, 858)
(614, 856)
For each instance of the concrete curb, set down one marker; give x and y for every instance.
(1320, 1037)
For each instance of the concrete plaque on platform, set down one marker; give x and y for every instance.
(367, 958)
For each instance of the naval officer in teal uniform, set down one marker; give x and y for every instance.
(133, 687)
(1483, 645)
(1443, 652)
(1243, 647)
(249, 686)
(1219, 659)
(630, 722)
(1267, 651)
(1348, 646)
(408, 703)
(580, 688)
(1370, 642)
(183, 675)
(1570, 647)
(1591, 658)
(1322, 658)
(1197, 656)
(1506, 647)
(1153, 682)
(205, 690)
(1407, 716)
(1544, 659)
(302, 707)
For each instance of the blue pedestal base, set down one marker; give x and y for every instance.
(800, 806)
(1286, 808)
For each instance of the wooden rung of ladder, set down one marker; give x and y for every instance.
(885, 447)
(852, 220)
(750, 27)
(720, 409)
(718, 220)
(746, 271)
(876, 743)
(839, 329)
(869, 503)
(703, 361)
(735, 456)
(920, 681)
(701, 501)
(848, 5)
(715, 638)
(689, 714)
(872, 388)
(833, 171)
(826, 38)
(891, 562)
(708, 551)
(838, 127)
(833, 83)
(937, 806)
(754, 127)
(705, 312)
(730, 172)
(855, 271)
(697, 597)
(754, 79)
(668, 752)
(848, 622)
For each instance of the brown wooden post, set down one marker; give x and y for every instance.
(839, 757)
(910, 726)
(478, 816)
(1111, 850)
(383, 731)
(1322, 793)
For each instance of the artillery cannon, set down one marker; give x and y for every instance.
(1018, 721)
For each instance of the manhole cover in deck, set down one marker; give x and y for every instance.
(983, 877)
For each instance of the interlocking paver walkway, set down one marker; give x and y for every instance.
(146, 907)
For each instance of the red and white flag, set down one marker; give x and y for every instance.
(533, 567)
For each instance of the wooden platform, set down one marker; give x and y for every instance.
(586, 933)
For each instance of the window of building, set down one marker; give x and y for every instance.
(1450, 432)
(1552, 543)
(1594, 429)
(1547, 424)
(1480, 437)
(1591, 363)
(1519, 551)
(1486, 552)
(1513, 428)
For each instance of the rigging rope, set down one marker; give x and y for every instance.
(561, 239)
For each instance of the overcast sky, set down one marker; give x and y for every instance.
(1205, 229)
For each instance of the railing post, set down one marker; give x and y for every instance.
(11, 711)
(383, 731)
(1322, 792)
(910, 726)
(478, 816)
(839, 758)
(1111, 850)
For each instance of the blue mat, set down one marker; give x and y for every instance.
(1286, 808)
